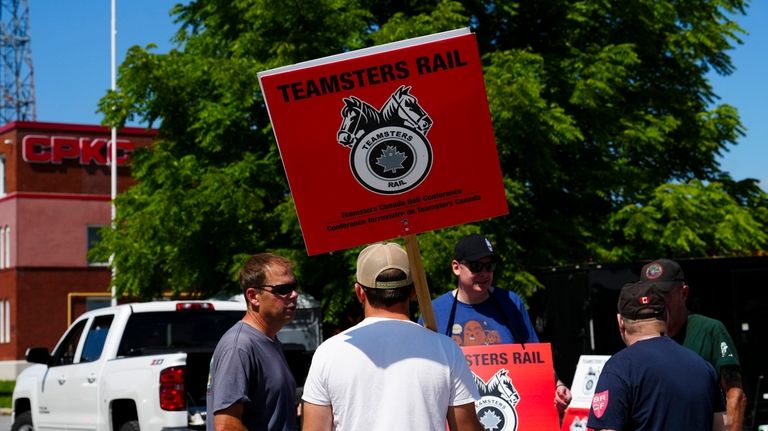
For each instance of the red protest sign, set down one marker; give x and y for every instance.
(516, 385)
(387, 141)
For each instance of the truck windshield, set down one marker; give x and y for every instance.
(172, 331)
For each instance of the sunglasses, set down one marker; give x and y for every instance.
(280, 290)
(475, 266)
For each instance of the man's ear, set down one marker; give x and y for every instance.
(360, 293)
(455, 267)
(620, 321)
(252, 297)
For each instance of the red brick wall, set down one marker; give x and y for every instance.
(42, 303)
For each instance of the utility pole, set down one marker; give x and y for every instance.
(113, 142)
(17, 84)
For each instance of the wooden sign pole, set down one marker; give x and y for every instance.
(420, 281)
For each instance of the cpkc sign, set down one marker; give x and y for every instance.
(58, 149)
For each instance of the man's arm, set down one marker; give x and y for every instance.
(735, 398)
(317, 417)
(463, 418)
(229, 419)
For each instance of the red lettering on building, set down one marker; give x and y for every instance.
(93, 151)
(63, 147)
(36, 149)
(58, 149)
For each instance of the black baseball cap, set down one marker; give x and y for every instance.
(665, 272)
(473, 247)
(642, 300)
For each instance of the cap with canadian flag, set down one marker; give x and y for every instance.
(642, 300)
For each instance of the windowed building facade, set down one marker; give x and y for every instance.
(55, 194)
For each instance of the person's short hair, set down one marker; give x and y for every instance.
(642, 300)
(635, 327)
(388, 297)
(665, 272)
(254, 271)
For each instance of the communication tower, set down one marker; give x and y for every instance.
(17, 85)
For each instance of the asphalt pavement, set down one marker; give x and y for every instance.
(5, 421)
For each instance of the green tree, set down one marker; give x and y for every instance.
(607, 131)
(690, 219)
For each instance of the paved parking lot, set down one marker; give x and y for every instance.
(5, 421)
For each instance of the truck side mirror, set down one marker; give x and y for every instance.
(39, 355)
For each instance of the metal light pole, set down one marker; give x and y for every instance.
(113, 147)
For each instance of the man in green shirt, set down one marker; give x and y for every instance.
(706, 336)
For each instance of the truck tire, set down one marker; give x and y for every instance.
(23, 422)
(130, 426)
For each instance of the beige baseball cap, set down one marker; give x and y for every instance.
(376, 258)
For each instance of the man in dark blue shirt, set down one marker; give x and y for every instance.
(654, 383)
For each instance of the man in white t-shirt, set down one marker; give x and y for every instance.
(387, 372)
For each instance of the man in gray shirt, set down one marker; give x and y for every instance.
(250, 385)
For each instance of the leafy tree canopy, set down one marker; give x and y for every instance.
(607, 129)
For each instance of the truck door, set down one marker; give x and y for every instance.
(52, 404)
(69, 397)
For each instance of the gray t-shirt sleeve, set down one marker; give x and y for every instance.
(229, 379)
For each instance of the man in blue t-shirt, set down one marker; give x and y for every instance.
(477, 312)
(654, 384)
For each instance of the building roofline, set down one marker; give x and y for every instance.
(88, 128)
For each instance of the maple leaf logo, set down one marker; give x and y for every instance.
(391, 159)
(490, 421)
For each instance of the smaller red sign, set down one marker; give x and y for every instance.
(516, 384)
(575, 419)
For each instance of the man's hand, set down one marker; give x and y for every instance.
(562, 397)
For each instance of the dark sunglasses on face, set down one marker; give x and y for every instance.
(281, 290)
(475, 266)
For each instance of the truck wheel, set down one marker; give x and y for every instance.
(23, 422)
(130, 426)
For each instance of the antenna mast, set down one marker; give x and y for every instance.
(17, 85)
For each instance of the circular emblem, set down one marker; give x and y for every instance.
(391, 160)
(589, 385)
(653, 271)
(456, 329)
(496, 414)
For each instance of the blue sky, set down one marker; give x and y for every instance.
(71, 56)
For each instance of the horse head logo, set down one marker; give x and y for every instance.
(358, 118)
(403, 108)
(578, 424)
(498, 398)
(390, 153)
(500, 385)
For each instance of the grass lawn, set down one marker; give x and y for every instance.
(6, 390)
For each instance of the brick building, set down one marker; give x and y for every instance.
(55, 194)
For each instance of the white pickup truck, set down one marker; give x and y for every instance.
(141, 366)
